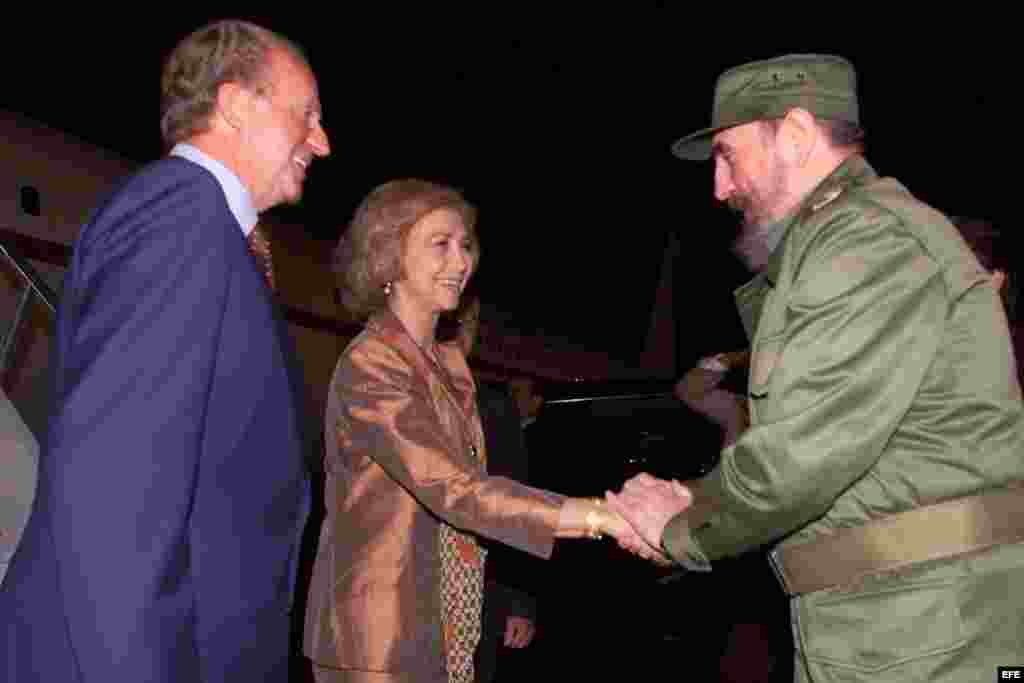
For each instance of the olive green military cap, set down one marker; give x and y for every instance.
(825, 85)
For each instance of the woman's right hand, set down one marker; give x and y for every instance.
(592, 518)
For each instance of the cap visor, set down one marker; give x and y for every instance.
(696, 146)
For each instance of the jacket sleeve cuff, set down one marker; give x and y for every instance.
(679, 544)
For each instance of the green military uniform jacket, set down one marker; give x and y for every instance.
(882, 379)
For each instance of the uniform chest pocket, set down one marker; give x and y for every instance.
(763, 361)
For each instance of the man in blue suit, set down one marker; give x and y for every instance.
(172, 495)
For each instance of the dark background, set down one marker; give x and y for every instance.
(557, 124)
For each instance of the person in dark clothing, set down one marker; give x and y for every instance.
(510, 606)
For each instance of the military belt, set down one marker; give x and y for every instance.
(934, 532)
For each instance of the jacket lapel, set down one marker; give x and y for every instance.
(450, 385)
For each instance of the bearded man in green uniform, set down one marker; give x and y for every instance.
(886, 438)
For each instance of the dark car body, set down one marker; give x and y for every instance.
(604, 612)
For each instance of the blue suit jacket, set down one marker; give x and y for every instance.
(173, 490)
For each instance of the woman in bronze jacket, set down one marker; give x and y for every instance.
(395, 594)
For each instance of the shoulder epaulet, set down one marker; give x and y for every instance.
(827, 198)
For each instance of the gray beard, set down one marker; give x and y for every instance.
(752, 247)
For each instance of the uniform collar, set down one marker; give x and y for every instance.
(750, 297)
(854, 170)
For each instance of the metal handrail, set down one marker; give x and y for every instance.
(614, 397)
(34, 284)
(30, 276)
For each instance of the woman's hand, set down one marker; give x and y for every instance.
(631, 541)
(592, 518)
(648, 504)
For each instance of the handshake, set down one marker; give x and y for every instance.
(635, 516)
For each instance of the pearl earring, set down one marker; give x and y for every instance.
(387, 288)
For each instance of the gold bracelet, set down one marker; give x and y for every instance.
(593, 520)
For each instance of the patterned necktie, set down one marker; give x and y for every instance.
(259, 245)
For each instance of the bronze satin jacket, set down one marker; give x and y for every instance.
(398, 459)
